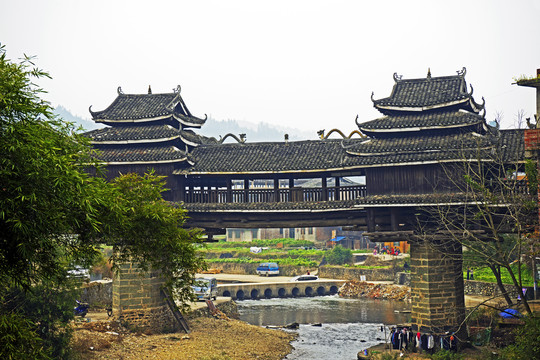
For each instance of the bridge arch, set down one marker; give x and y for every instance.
(227, 293)
(268, 293)
(308, 291)
(254, 294)
(282, 292)
(333, 290)
(321, 291)
(240, 294)
(295, 291)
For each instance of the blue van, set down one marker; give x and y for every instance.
(268, 269)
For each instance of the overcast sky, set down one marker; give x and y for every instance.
(305, 64)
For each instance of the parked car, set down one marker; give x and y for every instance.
(268, 269)
(205, 288)
(305, 278)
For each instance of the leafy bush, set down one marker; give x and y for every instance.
(43, 310)
(527, 343)
(19, 339)
(339, 255)
(446, 355)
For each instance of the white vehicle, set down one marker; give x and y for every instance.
(205, 288)
(305, 278)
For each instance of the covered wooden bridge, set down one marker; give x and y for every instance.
(379, 183)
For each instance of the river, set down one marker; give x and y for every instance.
(347, 325)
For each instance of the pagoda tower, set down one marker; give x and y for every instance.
(144, 132)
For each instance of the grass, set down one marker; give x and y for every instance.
(485, 274)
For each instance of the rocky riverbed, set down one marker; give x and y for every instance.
(361, 289)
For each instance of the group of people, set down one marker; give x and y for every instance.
(405, 340)
(390, 250)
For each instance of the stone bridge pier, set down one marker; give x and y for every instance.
(437, 289)
(139, 302)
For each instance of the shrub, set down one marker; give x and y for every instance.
(527, 343)
(446, 355)
(339, 255)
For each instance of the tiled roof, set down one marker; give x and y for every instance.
(267, 157)
(133, 107)
(429, 92)
(137, 133)
(421, 121)
(339, 154)
(131, 154)
(444, 144)
(190, 137)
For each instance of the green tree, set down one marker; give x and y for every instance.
(53, 213)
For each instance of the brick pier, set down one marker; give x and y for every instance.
(437, 290)
(138, 302)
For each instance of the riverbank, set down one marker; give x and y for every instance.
(361, 289)
(220, 338)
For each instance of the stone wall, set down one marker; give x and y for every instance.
(473, 287)
(138, 301)
(343, 273)
(250, 269)
(98, 294)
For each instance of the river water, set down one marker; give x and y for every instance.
(348, 325)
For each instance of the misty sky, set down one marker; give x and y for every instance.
(305, 64)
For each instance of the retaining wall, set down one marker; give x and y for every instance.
(250, 269)
(97, 293)
(474, 287)
(343, 273)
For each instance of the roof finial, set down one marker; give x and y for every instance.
(177, 90)
(119, 91)
(397, 77)
(149, 90)
(429, 73)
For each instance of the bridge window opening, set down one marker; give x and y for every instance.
(321, 291)
(309, 291)
(295, 291)
(268, 293)
(254, 294)
(282, 292)
(240, 295)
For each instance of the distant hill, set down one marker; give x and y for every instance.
(254, 132)
(87, 125)
(215, 128)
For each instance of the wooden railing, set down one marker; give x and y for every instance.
(296, 194)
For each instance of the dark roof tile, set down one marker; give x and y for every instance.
(129, 154)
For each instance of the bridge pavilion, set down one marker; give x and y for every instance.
(425, 124)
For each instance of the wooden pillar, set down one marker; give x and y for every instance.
(338, 197)
(437, 290)
(246, 190)
(229, 190)
(276, 189)
(324, 189)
